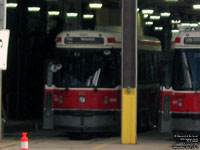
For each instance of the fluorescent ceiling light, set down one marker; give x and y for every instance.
(175, 31)
(147, 11)
(149, 23)
(158, 28)
(185, 24)
(88, 16)
(175, 21)
(11, 5)
(53, 13)
(146, 16)
(154, 17)
(72, 14)
(171, 0)
(33, 9)
(196, 6)
(95, 5)
(165, 14)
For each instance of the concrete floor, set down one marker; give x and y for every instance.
(57, 140)
(151, 140)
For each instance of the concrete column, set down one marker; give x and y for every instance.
(129, 72)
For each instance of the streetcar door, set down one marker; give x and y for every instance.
(48, 97)
(166, 92)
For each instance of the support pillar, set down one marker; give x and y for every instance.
(129, 73)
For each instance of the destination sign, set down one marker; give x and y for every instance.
(192, 40)
(84, 40)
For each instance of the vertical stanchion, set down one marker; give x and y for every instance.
(129, 72)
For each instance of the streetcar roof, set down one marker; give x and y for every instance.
(101, 39)
(88, 39)
(187, 39)
(149, 43)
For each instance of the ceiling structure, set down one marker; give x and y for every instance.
(181, 6)
(180, 9)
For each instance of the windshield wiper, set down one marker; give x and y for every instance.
(190, 74)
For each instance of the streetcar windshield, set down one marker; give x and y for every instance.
(88, 68)
(187, 69)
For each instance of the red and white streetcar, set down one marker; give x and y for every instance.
(180, 105)
(83, 82)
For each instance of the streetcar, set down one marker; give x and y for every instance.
(83, 82)
(180, 90)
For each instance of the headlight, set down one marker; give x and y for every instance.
(82, 99)
(180, 104)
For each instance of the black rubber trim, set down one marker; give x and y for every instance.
(185, 115)
(84, 112)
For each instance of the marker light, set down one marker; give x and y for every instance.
(178, 40)
(58, 98)
(58, 39)
(53, 13)
(11, 5)
(112, 40)
(33, 9)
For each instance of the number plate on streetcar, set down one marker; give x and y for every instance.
(84, 40)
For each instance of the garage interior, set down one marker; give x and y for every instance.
(32, 41)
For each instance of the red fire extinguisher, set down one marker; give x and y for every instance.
(24, 141)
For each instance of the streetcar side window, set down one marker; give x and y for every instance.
(193, 58)
(181, 72)
(156, 60)
(142, 68)
(148, 67)
(148, 63)
(153, 69)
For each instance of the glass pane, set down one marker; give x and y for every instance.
(88, 68)
(182, 74)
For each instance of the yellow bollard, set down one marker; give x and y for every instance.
(129, 116)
